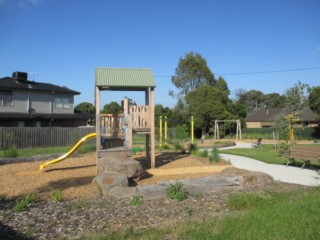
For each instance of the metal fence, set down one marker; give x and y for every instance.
(31, 137)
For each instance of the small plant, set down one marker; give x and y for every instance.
(22, 205)
(200, 153)
(195, 152)
(176, 192)
(56, 195)
(136, 200)
(163, 147)
(177, 146)
(193, 147)
(204, 153)
(166, 147)
(87, 148)
(214, 157)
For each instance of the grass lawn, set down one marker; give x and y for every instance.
(22, 153)
(265, 215)
(266, 154)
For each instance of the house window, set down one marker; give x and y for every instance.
(61, 102)
(6, 98)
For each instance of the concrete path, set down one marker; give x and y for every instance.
(239, 145)
(281, 173)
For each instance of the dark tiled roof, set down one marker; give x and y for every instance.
(15, 116)
(265, 115)
(308, 115)
(10, 83)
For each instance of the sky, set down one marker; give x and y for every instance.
(265, 45)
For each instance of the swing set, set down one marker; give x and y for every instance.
(217, 130)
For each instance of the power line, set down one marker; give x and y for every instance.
(270, 71)
(257, 72)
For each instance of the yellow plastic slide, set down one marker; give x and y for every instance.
(72, 150)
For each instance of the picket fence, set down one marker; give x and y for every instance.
(31, 137)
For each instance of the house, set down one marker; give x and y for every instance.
(266, 118)
(25, 103)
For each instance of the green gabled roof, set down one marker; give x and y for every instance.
(124, 78)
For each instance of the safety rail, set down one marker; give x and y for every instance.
(140, 116)
(112, 125)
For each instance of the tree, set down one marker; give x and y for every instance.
(314, 100)
(85, 107)
(180, 113)
(273, 100)
(192, 71)
(206, 105)
(223, 86)
(296, 98)
(239, 93)
(252, 100)
(159, 110)
(112, 108)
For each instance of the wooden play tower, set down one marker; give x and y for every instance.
(114, 132)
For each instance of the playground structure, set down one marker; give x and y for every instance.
(116, 130)
(217, 130)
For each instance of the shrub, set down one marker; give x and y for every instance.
(177, 146)
(164, 147)
(214, 157)
(284, 147)
(22, 205)
(87, 148)
(56, 195)
(203, 153)
(193, 147)
(136, 200)
(181, 132)
(12, 152)
(176, 192)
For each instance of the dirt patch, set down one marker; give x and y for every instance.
(74, 175)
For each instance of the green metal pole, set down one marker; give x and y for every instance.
(160, 131)
(165, 130)
(192, 131)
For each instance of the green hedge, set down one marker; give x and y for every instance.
(267, 133)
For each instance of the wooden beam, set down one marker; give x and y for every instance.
(98, 137)
(147, 102)
(128, 123)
